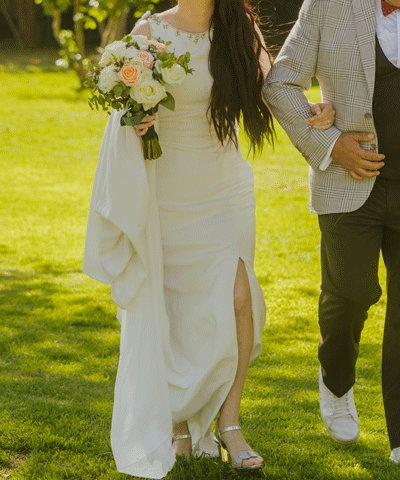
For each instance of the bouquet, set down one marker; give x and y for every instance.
(132, 74)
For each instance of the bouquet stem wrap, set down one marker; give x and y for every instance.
(150, 144)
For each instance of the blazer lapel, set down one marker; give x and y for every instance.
(364, 16)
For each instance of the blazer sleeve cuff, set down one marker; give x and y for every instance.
(328, 159)
(318, 147)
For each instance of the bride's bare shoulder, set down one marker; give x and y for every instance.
(142, 27)
(168, 14)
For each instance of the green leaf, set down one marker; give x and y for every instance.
(135, 106)
(132, 121)
(118, 89)
(168, 102)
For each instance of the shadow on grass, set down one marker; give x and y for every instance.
(14, 59)
(309, 292)
(29, 63)
(296, 458)
(59, 352)
(32, 290)
(46, 315)
(58, 360)
(265, 281)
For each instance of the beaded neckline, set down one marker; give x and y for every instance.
(196, 37)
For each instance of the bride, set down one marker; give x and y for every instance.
(211, 317)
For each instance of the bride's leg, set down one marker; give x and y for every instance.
(182, 446)
(229, 413)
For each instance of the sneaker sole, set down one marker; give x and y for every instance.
(336, 439)
(341, 440)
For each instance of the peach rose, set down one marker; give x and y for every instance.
(130, 75)
(146, 57)
(161, 46)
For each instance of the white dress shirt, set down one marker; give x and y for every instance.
(388, 33)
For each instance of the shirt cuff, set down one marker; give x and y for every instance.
(328, 159)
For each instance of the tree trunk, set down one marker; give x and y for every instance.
(11, 24)
(78, 65)
(56, 25)
(78, 29)
(123, 23)
(113, 28)
(101, 27)
(27, 25)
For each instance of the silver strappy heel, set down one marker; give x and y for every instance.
(180, 437)
(236, 460)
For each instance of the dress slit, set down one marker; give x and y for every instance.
(200, 424)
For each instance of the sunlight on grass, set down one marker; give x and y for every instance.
(59, 337)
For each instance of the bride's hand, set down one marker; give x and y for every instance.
(147, 122)
(324, 116)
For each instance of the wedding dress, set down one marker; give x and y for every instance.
(170, 235)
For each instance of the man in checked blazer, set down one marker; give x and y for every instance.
(353, 48)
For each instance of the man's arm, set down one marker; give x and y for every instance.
(290, 75)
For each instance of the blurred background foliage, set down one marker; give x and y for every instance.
(80, 29)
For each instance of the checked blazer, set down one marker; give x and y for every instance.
(335, 41)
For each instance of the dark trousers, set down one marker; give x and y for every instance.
(350, 247)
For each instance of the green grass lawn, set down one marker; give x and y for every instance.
(59, 338)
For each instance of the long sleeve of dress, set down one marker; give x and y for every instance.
(115, 248)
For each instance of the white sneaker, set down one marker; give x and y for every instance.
(395, 455)
(339, 414)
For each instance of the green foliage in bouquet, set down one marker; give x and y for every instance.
(150, 66)
(119, 97)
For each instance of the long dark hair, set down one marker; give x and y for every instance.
(238, 79)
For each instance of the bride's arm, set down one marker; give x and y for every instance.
(265, 62)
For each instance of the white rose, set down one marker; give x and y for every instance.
(172, 76)
(130, 53)
(135, 61)
(141, 40)
(107, 79)
(116, 49)
(148, 92)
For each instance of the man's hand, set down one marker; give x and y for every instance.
(360, 163)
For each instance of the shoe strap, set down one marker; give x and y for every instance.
(230, 429)
(180, 437)
(239, 458)
(246, 454)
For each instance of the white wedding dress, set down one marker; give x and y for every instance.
(206, 208)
